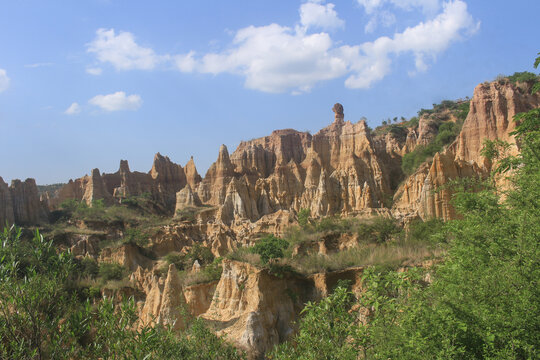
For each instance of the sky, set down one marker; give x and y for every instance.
(86, 83)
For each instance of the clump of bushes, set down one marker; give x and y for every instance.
(379, 230)
(135, 236)
(270, 248)
(188, 214)
(88, 267)
(209, 272)
(447, 133)
(111, 271)
(524, 76)
(210, 266)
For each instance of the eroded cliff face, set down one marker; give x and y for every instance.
(255, 309)
(341, 169)
(161, 183)
(21, 204)
(491, 114)
(338, 170)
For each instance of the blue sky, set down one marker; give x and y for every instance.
(86, 83)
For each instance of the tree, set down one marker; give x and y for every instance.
(325, 330)
(303, 218)
(270, 248)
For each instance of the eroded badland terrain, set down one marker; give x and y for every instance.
(343, 199)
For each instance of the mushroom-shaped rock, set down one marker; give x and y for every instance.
(338, 111)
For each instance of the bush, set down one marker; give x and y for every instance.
(200, 253)
(89, 267)
(303, 218)
(325, 330)
(111, 271)
(135, 236)
(379, 230)
(425, 231)
(270, 248)
(524, 76)
(208, 273)
(176, 258)
(187, 214)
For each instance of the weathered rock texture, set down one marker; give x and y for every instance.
(253, 308)
(20, 203)
(492, 109)
(161, 183)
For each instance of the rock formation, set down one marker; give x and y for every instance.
(491, 114)
(255, 309)
(20, 203)
(343, 169)
(6, 205)
(161, 183)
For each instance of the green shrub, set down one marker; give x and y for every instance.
(89, 267)
(524, 76)
(135, 236)
(378, 230)
(270, 248)
(69, 205)
(200, 253)
(176, 258)
(208, 273)
(303, 218)
(425, 231)
(187, 214)
(111, 271)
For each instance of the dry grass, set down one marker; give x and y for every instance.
(390, 255)
(244, 254)
(117, 284)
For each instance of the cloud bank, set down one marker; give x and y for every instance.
(276, 58)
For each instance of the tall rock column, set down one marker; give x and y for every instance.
(27, 207)
(6, 205)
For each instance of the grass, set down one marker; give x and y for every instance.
(380, 242)
(244, 254)
(387, 254)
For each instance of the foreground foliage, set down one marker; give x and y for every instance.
(44, 315)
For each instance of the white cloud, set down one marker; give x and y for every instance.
(186, 63)
(122, 51)
(384, 18)
(371, 62)
(94, 71)
(370, 5)
(317, 15)
(73, 109)
(117, 101)
(4, 80)
(276, 58)
(380, 14)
